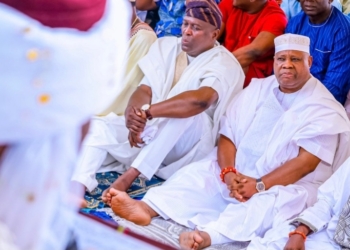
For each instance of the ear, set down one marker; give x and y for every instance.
(310, 60)
(215, 34)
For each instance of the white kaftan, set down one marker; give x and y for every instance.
(267, 132)
(51, 82)
(176, 142)
(322, 217)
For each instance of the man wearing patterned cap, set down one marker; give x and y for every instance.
(172, 118)
(278, 142)
(58, 59)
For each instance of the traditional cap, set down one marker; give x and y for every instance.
(205, 10)
(292, 42)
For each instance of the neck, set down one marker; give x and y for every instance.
(256, 7)
(322, 17)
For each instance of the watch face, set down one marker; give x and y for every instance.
(260, 186)
(145, 107)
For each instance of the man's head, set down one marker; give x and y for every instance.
(292, 62)
(315, 8)
(201, 25)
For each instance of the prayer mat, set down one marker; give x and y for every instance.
(137, 190)
(167, 232)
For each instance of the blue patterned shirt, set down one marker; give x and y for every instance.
(330, 49)
(171, 14)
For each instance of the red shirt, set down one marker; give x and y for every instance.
(241, 28)
(78, 14)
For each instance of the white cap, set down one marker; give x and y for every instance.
(292, 42)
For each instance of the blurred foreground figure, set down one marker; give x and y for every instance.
(58, 64)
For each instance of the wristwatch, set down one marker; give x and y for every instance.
(146, 108)
(260, 186)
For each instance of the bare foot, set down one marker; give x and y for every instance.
(122, 184)
(136, 211)
(194, 240)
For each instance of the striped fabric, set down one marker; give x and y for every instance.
(330, 49)
(205, 10)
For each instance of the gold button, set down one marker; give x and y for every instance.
(26, 30)
(30, 197)
(32, 54)
(43, 99)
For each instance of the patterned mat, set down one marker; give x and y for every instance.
(167, 232)
(137, 190)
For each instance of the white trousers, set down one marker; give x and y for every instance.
(195, 196)
(176, 143)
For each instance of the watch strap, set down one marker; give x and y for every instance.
(148, 114)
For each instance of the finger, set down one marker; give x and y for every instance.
(137, 138)
(135, 124)
(236, 195)
(195, 246)
(137, 112)
(133, 144)
(130, 139)
(134, 131)
(134, 117)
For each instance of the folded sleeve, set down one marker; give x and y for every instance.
(322, 146)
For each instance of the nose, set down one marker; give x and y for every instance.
(287, 64)
(186, 30)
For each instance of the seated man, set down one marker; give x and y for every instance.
(292, 7)
(248, 30)
(325, 225)
(141, 38)
(329, 32)
(187, 103)
(276, 147)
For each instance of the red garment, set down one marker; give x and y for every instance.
(78, 14)
(242, 28)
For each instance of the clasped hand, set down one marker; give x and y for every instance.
(135, 121)
(241, 187)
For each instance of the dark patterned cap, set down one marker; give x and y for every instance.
(205, 10)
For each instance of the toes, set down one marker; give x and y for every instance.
(113, 192)
(197, 238)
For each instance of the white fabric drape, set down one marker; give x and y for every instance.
(51, 82)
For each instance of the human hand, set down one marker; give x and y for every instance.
(247, 187)
(279, 2)
(295, 242)
(135, 139)
(233, 182)
(134, 120)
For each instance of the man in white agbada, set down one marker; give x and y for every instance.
(325, 225)
(278, 143)
(188, 83)
(51, 81)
